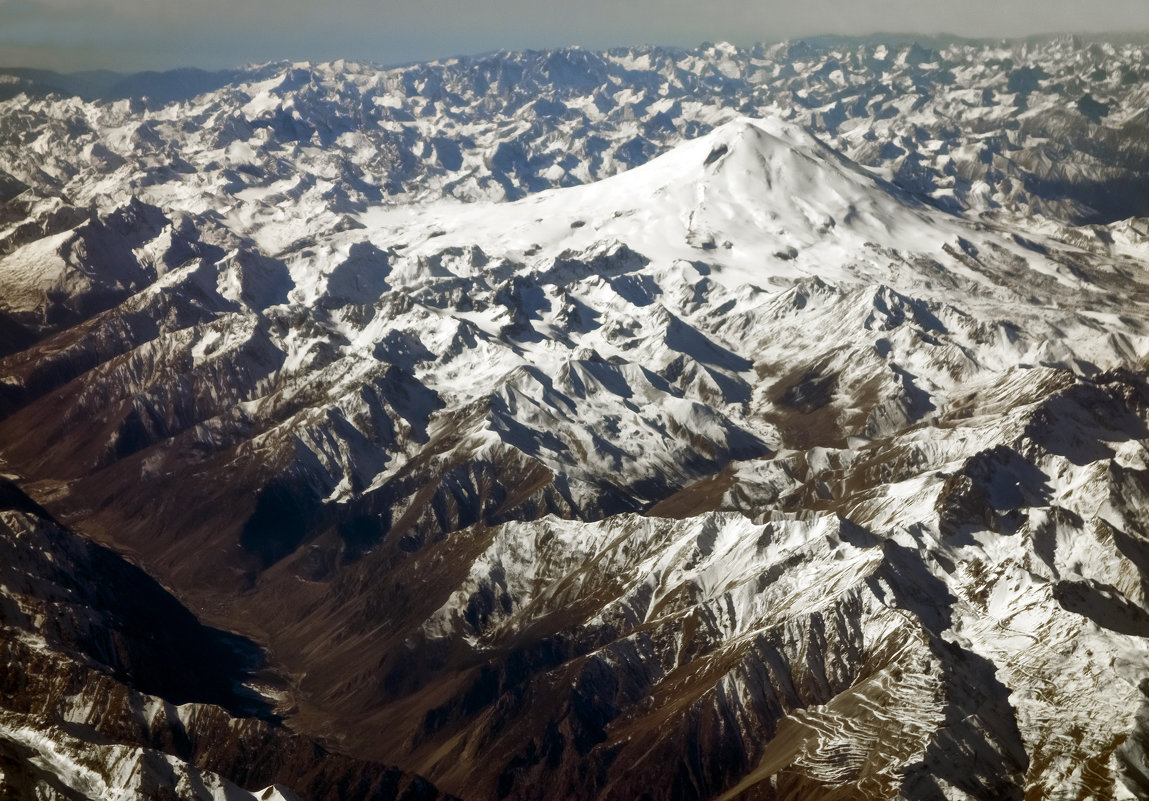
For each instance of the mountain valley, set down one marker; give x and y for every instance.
(761, 423)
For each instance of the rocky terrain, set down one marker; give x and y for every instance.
(112, 690)
(761, 424)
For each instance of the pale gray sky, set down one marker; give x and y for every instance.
(147, 34)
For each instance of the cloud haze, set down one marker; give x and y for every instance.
(133, 34)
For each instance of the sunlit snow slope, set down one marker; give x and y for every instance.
(746, 472)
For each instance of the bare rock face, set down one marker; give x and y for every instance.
(111, 688)
(792, 455)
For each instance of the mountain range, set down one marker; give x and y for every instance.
(759, 423)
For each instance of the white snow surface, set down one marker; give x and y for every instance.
(864, 450)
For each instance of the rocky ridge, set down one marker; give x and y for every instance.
(755, 470)
(112, 689)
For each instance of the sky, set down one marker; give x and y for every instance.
(125, 35)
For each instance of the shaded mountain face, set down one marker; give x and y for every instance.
(754, 469)
(112, 689)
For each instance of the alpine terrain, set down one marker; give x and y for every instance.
(764, 423)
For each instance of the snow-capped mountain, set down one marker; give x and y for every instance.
(760, 423)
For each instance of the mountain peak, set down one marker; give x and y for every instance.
(594, 425)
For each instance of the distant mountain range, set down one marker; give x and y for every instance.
(760, 423)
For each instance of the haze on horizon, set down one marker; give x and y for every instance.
(70, 35)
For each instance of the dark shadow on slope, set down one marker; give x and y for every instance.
(914, 587)
(991, 491)
(1132, 756)
(362, 277)
(981, 725)
(99, 606)
(608, 375)
(14, 337)
(359, 534)
(447, 152)
(410, 399)
(641, 290)
(1010, 481)
(403, 349)
(523, 296)
(1079, 422)
(715, 154)
(813, 390)
(979, 749)
(917, 402)
(606, 260)
(286, 510)
(686, 339)
(576, 317)
(733, 389)
(264, 281)
(1128, 488)
(1104, 604)
(512, 432)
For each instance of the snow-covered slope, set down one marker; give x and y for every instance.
(748, 471)
(1053, 125)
